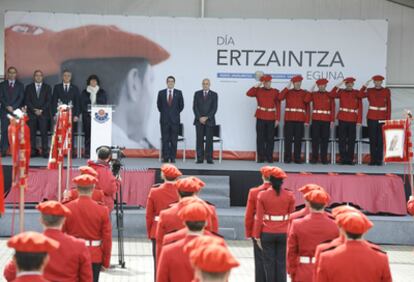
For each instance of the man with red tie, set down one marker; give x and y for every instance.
(90, 221)
(31, 255)
(71, 261)
(349, 115)
(296, 109)
(379, 99)
(306, 234)
(267, 117)
(323, 118)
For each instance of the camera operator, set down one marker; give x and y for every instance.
(107, 182)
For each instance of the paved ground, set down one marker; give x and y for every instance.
(139, 262)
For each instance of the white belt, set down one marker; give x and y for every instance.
(307, 260)
(321, 112)
(275, 217)
(156, 218)
(92, 243)
(294, 110)
(266, 109)
(348, 110)
(377, 108)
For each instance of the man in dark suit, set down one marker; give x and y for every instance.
(170, 103)
(37, 98)
(11, 98)
(66, 93)
(205, 108)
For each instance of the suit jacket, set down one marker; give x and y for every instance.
(13, 98)
(73, 95)
(85, 99)
(205, 107)
(170, 114)
(42, 102)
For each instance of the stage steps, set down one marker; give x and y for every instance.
(217, 190)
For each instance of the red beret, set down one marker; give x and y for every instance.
(201, 241)
(32, 242)
(171, 171)
(85, 180)
(322, 81)
(317, 196)
(354, 222)
(265, 78)
(349, 80)
(310, 187)
(343, 209)
(265, 171)
(101, 41)
(53, 208)
(189, 184)
(88, 170)
(26, 48)
(277, 172)
(213, 258)
(296, 78)
(378, 78)
(196, 211)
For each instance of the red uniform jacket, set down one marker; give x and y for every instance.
(269, 203)
(379, 102)
(97, 195)
(297, 104)
(323, 108)
(170, 222)
(353, 261)
(348, 100)
(70, 262)
(410, 207)
(251, 208)
(90, 221)
(266, 99)
(106, 182)
(31, 278)
(159, 199)
(174, 265)
(304, 236)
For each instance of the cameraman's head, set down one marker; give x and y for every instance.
(104, 153)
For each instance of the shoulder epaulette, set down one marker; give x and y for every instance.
(378, 249)
(329, 249)
(211, 204)
(156, 185)
(327, 241)
(216, 234)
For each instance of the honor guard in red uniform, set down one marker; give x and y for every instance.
(71, 261)
(349, 115)
(31, 255)
(160, 198)
(267, 117)
(296, 115)
(355, 259)
(379, 99)
(249, 221)
(72, 194)
(410, 205)
(211, 260)
(174, 264)
(306, 234)
(323, 118)
(90, 221)
(274, 205)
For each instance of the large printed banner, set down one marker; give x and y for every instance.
(133, 56)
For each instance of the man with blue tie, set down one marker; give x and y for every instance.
(11, 98)
(205, 108)
(170, 103)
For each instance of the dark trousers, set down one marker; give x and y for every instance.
(294, 131)
(169, 137)
(207, 151)
(375, 141)
(4, 133)
(265, 134)
(154, 257)
(320, 139)
(96, 270)
(346, 136)
(86, 124)
(260, 275)
(274, 256)
(41, 123)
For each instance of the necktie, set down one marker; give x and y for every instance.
(37, 90)
(11, 85)
(170, 97)
(66, 88)
(205, 95)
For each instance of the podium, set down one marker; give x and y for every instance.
(101, 127)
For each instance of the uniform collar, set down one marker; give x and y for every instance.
(29, 273)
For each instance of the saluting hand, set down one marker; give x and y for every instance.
(368, 82)
(340, 84)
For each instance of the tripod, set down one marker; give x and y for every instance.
(119, 208)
